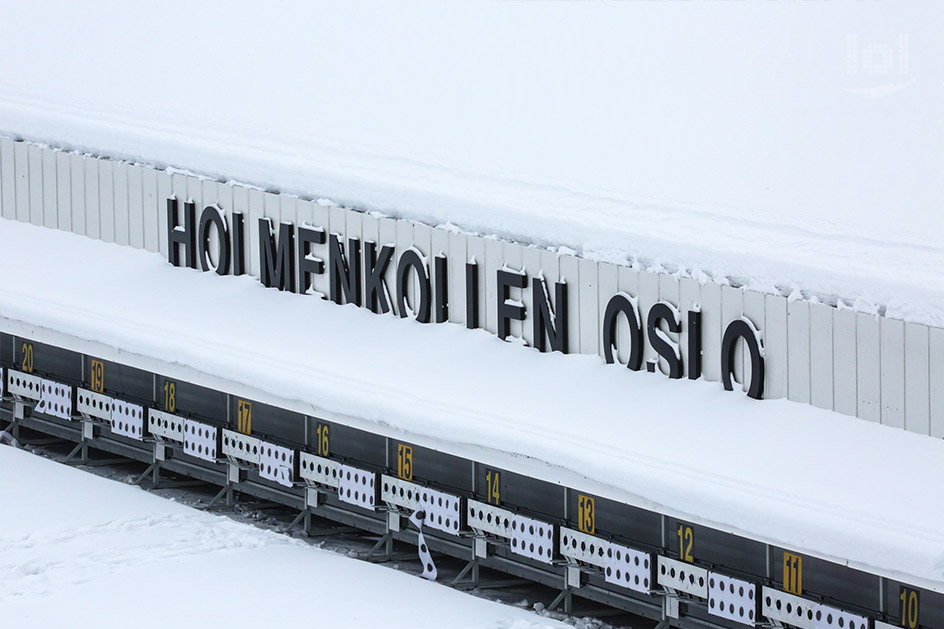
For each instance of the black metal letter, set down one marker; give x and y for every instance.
(694, 344)
(338, 265)
(411, 259)
(277, 264)
(308, 263)
(378, 293)
(744, 330)
(620, 303)
(506, 312)
(547, 321)
(239, 243)
(663, 311)
(211, 216)
(471, 295)
(184, 235)
(440, 270)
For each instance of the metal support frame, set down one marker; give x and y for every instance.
(159, 455)
(82, 448)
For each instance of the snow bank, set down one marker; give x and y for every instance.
(780, 145)
(81, 551)
(804, 478)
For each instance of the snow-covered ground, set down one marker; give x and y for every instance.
(808, 479)
(779, 144)
(78, 550)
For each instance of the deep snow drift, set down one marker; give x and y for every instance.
(783, 145)
(808, 479)
(77, 550)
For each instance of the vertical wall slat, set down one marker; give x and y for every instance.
(494, 252)
(689, 299)
(917, 379)
(936, 357)
(404, 243)
(21, 168)
(514, 260)
(63, 191)
(122, 211)
(799, 333)
(153, 208)
(388, 237)
(627, 282)
(256, 211)
(50, 189)
(568, 268)
(589, 304)
(8, 177)
(669, 292)
(35, 173)
(822, 356)
(868, 367)
(93, 226)
(165, 190)
(777, 360)
(531, 264)
(608, 285)
(732, 308)
(755, 308)
(136, 205)
(106, 199)
(892, 372)
(845, 395)
(457, 259)
(77, 181)
(439, 246)
(711, 330)
(647, 296)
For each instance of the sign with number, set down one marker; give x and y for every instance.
(97, 377)
(323, 442)
(686, 537)
(244, 416)
(586, 514)
(492, 487)
(909, 607)
(26, 357)
(404, 462)
(170, 396)
(792, 573)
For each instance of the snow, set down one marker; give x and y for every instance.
(787, 146)
(78, 550)
(813, 481)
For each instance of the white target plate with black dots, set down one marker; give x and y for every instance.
(682, 577)
(165, 426)
(489, 519)
(56, 399)
(357, 487)
(239, 447)
(799, 612)
(319, 470)
(24, 385)
(92, 404)
(583, 547)
(732, 598)
(200, 440)
(532, 538)
(127, 419)
(628, 568)
(276, 463)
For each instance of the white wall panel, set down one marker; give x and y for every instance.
(608, 285)
(868, 367)
(514, 261)
(732, 307)
(404, 243)
(648, 294)
(222, 193)
(589, 308)
(106, 200)
(822, 363)
(892, 370)
(272, 209)
(755, 310)
(50, 186)
(689, 299)
(388, 237)
(494, 252)
(627, 281)
(165, 190)
(93, 226)
(917, 379)
(711, 331)
(531, 264)
(21, 173)
(63, 190)
(35, 174)
(77, 182)
(122, 214)
(936, 357)
(369, 232)
(7, 179)
(136, 206)
(310, 214)
(153, 208)
(439, 246)
(457, 260)
(798, 351)
(776, 362)
(256, 211)
(568, 267)
(845, 395)
(287, 212)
